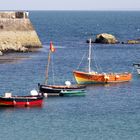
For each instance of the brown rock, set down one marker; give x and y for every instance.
(105, 38)
(133, 42)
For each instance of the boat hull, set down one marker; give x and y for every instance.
(96, 78)
(21, 101)
(56, 90)
(73, 93)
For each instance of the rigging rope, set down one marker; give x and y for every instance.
(81, 61)
(98, 67)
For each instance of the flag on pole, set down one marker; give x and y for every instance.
(52, 49)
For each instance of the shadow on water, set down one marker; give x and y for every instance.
(16, 57)
(7, 59)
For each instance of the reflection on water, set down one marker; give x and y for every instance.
(7, 59)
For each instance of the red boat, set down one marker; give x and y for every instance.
(21, 101)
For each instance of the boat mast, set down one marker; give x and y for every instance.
(89, 57)
(47, 69)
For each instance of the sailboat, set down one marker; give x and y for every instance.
(59, 90)
(93, 77)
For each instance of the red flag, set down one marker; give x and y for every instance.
(52, 49)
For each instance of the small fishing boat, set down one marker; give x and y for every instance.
(137, 66)
(72, 93)
(55, 90)
(93, 77)
(20, 101)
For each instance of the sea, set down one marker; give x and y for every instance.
(106, 112)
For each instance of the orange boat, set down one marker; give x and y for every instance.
(92, 77)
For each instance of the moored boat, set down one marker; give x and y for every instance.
(72, 93)
(93, 77)
(20, 101)
(101, 78)
(55, 90)
(137, 66)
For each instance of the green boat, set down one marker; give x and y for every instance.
(72, 93)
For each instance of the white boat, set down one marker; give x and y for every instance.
(137, 66)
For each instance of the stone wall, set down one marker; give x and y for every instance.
(17, 32)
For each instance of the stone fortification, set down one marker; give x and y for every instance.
(17, 32)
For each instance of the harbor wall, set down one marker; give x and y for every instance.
(17, 32)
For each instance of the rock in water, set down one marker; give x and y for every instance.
(17, 32)
(133, 42)
(105, 38)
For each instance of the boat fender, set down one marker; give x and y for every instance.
(117, 76)
(27, 103)
(14, 103)
(45, 95)
(106, 77)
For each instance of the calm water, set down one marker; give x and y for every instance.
(110, 112)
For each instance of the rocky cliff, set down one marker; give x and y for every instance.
(17, 32)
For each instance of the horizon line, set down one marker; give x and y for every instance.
(119, 10)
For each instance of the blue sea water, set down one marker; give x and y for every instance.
(107, 112)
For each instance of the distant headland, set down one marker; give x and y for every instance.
(17, 32)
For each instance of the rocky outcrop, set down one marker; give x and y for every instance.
(17, 32)
(105, 38)
(133, 42)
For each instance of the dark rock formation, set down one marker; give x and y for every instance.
(105, 38)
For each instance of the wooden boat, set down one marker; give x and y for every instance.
(72, 93)
(56, 89)
(92, 77)
(20, 101)
(53, 90)
(137, 66)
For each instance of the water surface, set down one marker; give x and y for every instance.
(107, 111)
